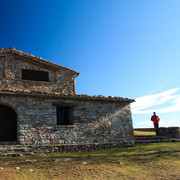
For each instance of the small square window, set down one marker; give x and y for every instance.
(64, 115)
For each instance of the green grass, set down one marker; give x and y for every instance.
(144, 133)
(153, 161)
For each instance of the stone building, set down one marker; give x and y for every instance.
(39, 106)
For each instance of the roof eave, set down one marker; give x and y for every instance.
(67, 97)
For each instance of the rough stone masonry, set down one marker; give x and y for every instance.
(39, 106)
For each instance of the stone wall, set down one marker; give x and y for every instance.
(11, 73)
(93, 121)
(173, 132)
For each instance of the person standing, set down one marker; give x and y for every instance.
(155, 119)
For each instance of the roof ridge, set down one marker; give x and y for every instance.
(36, 58)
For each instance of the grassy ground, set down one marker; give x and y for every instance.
(144, 133)
(154, 161)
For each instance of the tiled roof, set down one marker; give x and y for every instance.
(35, 58)
(71, 96)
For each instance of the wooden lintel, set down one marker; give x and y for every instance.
(62, 104)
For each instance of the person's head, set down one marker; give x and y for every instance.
(154, 113)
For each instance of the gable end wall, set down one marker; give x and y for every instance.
(10, 77)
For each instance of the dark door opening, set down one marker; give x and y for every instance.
(8, 124)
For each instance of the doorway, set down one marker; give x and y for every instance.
(8, 124)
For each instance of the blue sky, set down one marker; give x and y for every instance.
(127, 48)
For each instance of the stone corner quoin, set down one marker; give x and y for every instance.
(39, 106)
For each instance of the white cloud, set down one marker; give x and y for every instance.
(146, 123)
(144, 103)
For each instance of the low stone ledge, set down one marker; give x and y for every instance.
(62, 148)
(76, 148)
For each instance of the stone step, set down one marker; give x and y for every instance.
(8, 142)
(148, 137)
(152, 141)
(14, 149)
(15, 154)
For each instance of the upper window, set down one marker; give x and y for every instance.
(35, 75)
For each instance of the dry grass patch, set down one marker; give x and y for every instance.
(144, 132)
(154, 161)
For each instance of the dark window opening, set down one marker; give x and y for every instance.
(64, 115)
(35, 75)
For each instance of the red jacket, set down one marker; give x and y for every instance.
(155, 119)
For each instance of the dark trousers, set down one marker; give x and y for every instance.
(156, 127)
